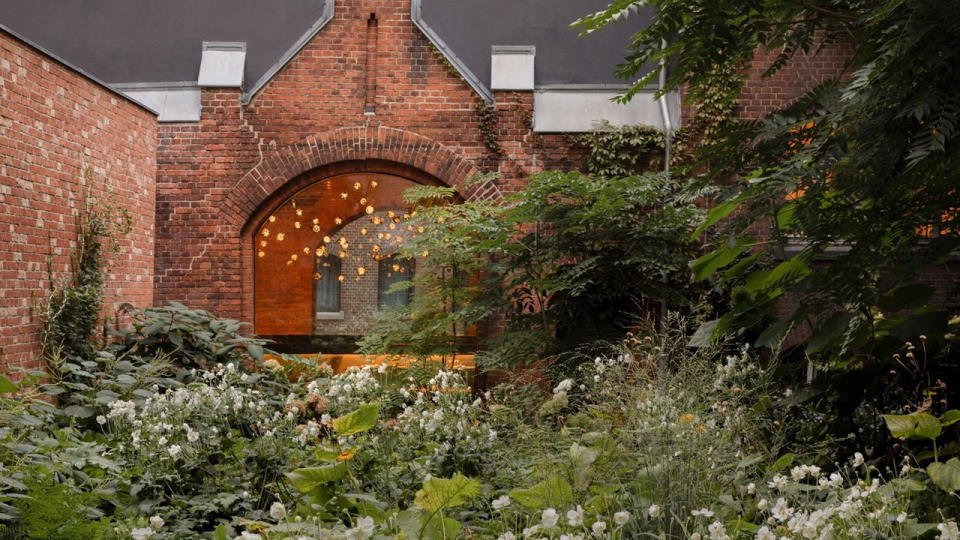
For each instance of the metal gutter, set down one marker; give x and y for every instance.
(325, 17)
(74, 68)
(447, 52)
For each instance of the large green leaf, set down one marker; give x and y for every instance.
(950, 417)
(553, 492)
(945, 475)
(439, 493)
(913, 426)
(706, 265)
(6, 385)
(307, 479)
(717, 213)
(358, 421)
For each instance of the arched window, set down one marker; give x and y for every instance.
(327, 284)
(392, 270)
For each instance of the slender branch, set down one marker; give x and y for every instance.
(823, 10)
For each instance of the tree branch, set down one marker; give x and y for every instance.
(823, 10)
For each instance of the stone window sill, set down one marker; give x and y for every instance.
(329, 315)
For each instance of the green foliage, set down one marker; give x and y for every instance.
(562, 263)
(858, 171)
(439, 494)
(56, 511)
(187, 337)
(360, 420)
(69, 315)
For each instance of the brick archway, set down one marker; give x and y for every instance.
(350, 144)
(375, 149)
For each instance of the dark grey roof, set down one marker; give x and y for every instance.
(124, 41)
(471, 27)
(152, 41)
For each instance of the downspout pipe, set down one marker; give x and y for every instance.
(665, 112)
(667, 151)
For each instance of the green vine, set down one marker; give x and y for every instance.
(69, 315)
(629, 150)
(487, 114)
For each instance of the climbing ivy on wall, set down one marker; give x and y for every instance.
(70, 313)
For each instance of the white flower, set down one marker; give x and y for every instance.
(571, 537)
(247, 535)
(751, 488)
(901, 517)
(779, 482)
(156, 522)
(363, 530)
(598, 528)
(141, 534)
(101, 419)
(278, 511)
(762, 504)
(549, 518)
(174, 450)
(530, 531)
(857, 459)
(621, 518)
(702, 512)
(948, 531)
(507, 536)
(717, 531)
(763, 533)
(501, 502)
(564, 386)
(575, 517)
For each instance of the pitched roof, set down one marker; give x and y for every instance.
(150, 41)
(126, 41)
(470, 27)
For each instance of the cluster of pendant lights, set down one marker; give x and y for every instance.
(393, 236)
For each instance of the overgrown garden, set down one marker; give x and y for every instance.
(743, 348)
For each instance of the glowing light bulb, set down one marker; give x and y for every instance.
(263, 243)
(320, 252)
(370, 209)
(343, 195)
(363, 231)
(289, 263)
(380, 235)
(273, 218)
(316, 228)
(337, 221)
(396, 268)
(392, 226)
(342, 254)
(266, 232)
(261, 254)
(317, 276)
(361, 270)
(420, 229)
(425, 253)
(375, 248)
(316, 221)
(391, 214)
(306, 251)
(374, 183)
(341, 277)
(356, 185)
(296, 224)
(280, 237)
(326, 240)
(294, 257)
(299, 211)
(363, 200)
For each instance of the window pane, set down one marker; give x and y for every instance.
(393, 270)
(327, 284)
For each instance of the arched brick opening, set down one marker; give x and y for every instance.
(346, 151)
(355, 144)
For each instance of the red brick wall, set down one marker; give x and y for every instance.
(55, 124)
(804, 72)
(217, 180)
